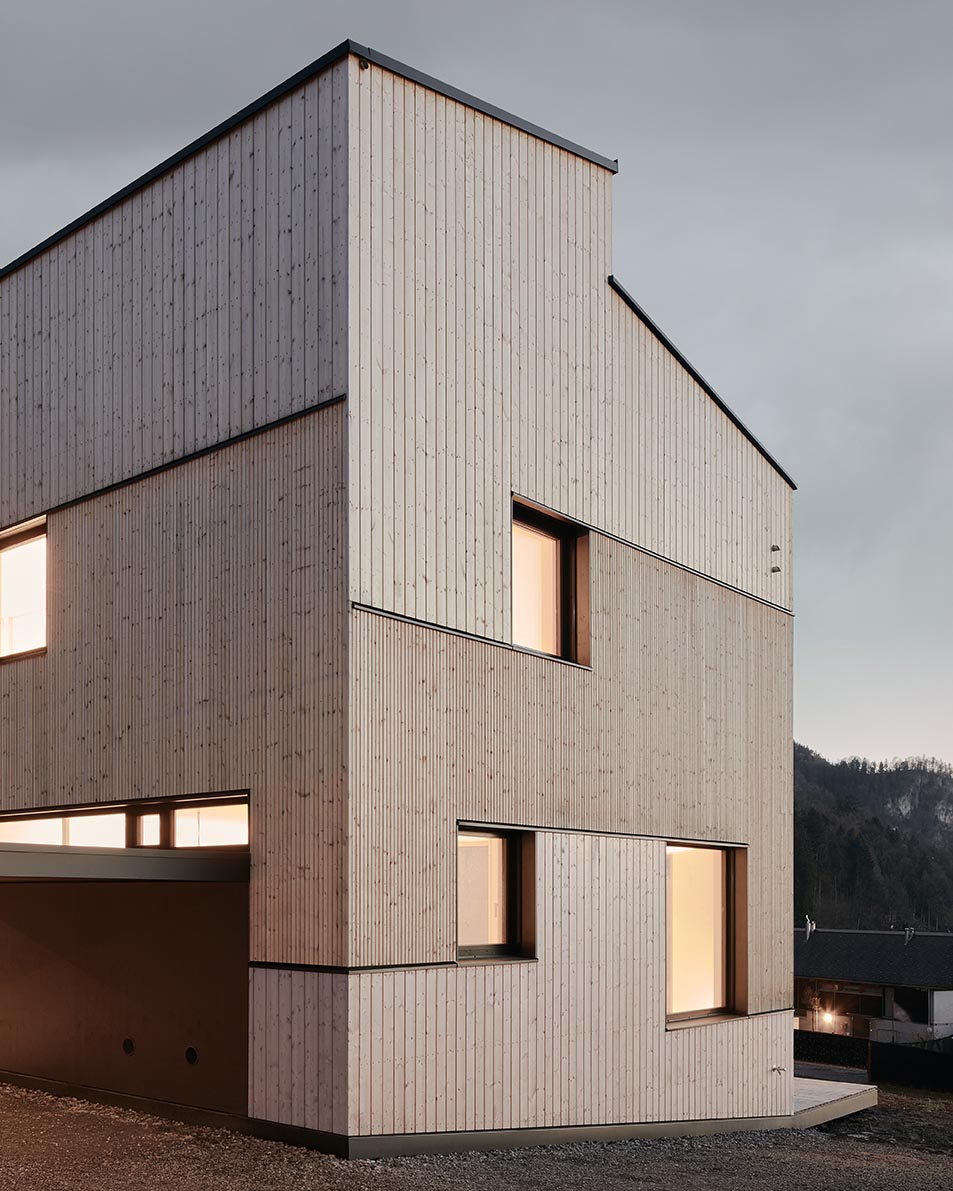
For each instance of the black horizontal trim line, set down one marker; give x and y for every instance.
(614, 537)
(343, 50)
(551, 657)
(190, 458)
(343, 970)
(697, 377)
(122, 804)
(608, 832)
(442, 628)
(719, 1017)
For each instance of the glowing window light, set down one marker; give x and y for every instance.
(96, 831)
(697, 929)
(481, 889)
(23, 596)
(211, 826)
(150, 831)
(536, 608)
(32, 831)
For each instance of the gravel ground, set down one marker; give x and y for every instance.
(47, 1142)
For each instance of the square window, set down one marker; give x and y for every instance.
(550, 585)
(22, 593)
(494, 897)
(704, 925)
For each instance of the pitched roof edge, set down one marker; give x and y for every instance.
(480, 105)
(343, 50)
(697, 377)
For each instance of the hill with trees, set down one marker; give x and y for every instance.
(873, 842)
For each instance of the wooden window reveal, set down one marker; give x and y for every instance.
(550, 584)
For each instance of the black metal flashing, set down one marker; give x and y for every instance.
(697, 377)
(319, 65)
(480, 105)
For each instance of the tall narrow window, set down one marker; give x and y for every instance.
(700, 929)
(550, 585)
(22, 593)
(493, 911)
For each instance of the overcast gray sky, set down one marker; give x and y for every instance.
(784, 210)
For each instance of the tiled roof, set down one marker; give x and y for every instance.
(875, 957)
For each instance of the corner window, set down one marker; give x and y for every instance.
(550, 585)
(704, 922)
(494, 893)
(23, 591)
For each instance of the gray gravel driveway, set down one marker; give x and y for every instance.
(49, 1143)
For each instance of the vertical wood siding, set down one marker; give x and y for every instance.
(576, 1038)
(488, 355)
(197, 643)
(211, 302)
(682, 728)
(298, 1048)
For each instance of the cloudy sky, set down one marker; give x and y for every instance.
(784, 209)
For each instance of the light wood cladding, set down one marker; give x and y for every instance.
(576, 1038)
(210, 302)
(682, 728)
(298, 1048)
(489, 356)
(197, 643)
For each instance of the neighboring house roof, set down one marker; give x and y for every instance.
(875, 957)
(320, 64)
(697, 377)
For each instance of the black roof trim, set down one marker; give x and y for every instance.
(697, 376)
(488, 109)
(343, 50)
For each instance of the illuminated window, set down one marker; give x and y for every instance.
(493, 868)
(203, 825)
(150, 831)
(95, 831)
(32, 831)
(701, 929)
(550, 585)
(22, 593)
(211, 826)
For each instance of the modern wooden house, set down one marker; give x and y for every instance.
(395, 691)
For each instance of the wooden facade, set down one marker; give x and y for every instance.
(197, 644)
(276, 403)
(206, 304)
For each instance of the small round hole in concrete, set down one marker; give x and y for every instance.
(191, 1055)
(128, 1046)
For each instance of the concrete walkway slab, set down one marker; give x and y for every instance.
(818, 1100)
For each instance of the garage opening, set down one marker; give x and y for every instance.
(125, 969)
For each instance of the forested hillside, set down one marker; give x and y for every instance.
(873, 842)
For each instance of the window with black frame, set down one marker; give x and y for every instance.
(704, 925)
(550, 580)
(489, 893)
